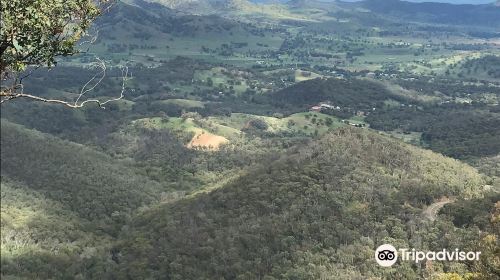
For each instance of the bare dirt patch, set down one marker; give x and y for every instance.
(206, 140)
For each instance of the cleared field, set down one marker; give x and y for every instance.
(202, 138)
(411, 94)
(301, 75)
(174, 124)
(412, 137)
(222, 77)
(305, 122)
(206, 140)
(185, 103)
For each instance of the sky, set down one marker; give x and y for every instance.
(440, 1)
(457, 1)
(446, 1)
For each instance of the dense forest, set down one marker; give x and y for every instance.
(345, 192)
(454, 130)
(351, 94)
(315, 213)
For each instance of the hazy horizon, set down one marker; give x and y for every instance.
(442, 1)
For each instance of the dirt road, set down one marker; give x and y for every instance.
(432, 210)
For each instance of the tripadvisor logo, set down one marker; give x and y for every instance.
(386, 255)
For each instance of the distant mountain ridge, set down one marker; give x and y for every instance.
(433, 12)
(199, 6)
(455, 2)
(426, 12)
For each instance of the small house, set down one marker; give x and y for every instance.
(315, 109)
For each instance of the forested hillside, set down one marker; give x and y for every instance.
(316, 213)
(456, 131)
(42, 238)
(353, 94)
(90, 184)
(63, 203)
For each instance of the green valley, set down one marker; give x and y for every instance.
(236, 139)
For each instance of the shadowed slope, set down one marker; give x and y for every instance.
(87, 182)
(317, 213)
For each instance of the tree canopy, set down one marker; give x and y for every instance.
(34, 33)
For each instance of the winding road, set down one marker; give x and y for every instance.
(432, 210)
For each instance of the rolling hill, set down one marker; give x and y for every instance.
(63, 204)
(316, 213)
(349, 94)
(89, 183)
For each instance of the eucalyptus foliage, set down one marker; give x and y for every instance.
(35, 32)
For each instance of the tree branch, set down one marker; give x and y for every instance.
(7, 95)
